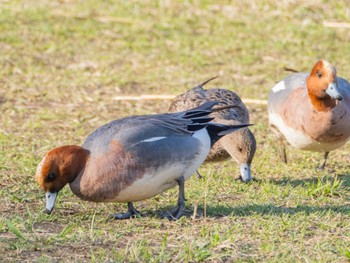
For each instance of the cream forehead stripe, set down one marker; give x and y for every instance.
(40, 166)
(329, 67)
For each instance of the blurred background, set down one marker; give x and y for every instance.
(63, 63)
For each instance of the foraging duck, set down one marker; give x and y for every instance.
(240, 145)
(311, 111)
(134, 158)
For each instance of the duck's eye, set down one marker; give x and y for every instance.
(319, 74)
(51, 176)
(240, 149)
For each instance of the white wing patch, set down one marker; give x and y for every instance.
(279, 86)
(153, 139)
(203, 136)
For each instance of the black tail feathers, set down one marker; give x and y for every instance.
(200, 119)
(205, 109)
(216, 130)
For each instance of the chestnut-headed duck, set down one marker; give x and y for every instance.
(134, 158)
(311, 111)
(240, 145)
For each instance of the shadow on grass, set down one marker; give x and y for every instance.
(344, 178)
(270, 209)
(219, 211)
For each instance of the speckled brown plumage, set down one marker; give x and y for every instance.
(241, 145)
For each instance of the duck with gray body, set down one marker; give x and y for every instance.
(240, 145)
(134, 158)
(311, 111)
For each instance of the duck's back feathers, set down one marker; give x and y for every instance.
(240, 145)
(139, 128)
(198, 95)
(293, 85)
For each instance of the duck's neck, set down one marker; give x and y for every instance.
(75, 161)
(322, 104)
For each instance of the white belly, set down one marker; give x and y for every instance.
(151, 184)
(157, 181)
(300, 140)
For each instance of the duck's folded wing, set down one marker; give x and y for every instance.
(175, 150)
(344, 89)
(282, 91)
(133, 130)
(152, 127)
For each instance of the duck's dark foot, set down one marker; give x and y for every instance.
(198, 175)
(120, 216)
(177, 212)
(132, 212)
(323, 165)
(324, 168)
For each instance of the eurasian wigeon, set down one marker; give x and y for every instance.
(134, 158)
(240, 145)
(312, 111)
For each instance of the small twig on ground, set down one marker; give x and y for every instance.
(170, 97)
(336, 24)
(102, 19)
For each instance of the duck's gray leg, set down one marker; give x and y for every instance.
(281, 145)
(325, 161)
(176, 213)
(199, 176)
(131, 212)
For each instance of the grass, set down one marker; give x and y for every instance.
(62, 62)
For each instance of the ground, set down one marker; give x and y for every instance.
(64, 62)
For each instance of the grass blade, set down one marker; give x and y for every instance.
(15, 230)
(67, 230)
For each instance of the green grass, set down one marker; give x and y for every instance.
(62, 62)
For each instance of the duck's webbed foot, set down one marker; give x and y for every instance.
(132, 212)
(177, 212)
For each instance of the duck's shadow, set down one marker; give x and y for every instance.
(343, 178)
(271, 209)
(217, 211)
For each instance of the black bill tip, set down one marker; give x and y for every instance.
(47, 211)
